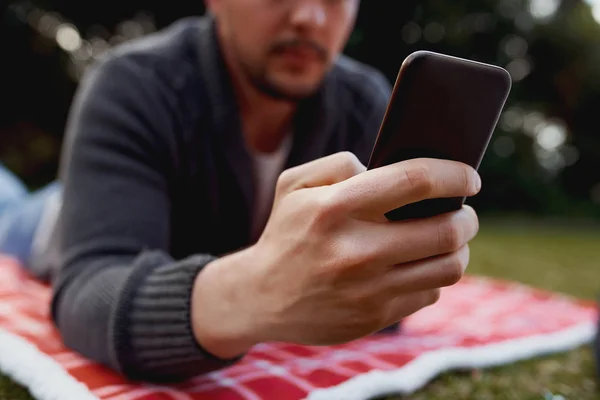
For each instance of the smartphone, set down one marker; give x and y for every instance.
(441, 107)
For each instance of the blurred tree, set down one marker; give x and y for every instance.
(544, 158)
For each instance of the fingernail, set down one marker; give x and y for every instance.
(477, 181)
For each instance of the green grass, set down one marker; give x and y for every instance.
(554, 257)
(10, 391)
(559, 258)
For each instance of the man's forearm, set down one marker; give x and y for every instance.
(136, 319)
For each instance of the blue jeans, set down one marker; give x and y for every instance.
(20, 214)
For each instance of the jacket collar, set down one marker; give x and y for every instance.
(313, 124)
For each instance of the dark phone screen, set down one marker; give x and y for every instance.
(441, 107)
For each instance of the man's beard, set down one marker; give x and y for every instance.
(269, 88)
(259, 76)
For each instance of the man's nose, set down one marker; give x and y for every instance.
(309, 13)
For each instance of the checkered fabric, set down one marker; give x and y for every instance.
(477, 323)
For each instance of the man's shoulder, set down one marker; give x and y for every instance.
(151, 83)
(169, 55)
(363, 85)
(359, 99)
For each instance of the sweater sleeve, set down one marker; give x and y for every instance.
(119, 298)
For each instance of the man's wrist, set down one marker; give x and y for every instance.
(221, 323)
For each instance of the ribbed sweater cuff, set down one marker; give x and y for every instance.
(154, 333)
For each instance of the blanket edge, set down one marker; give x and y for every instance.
(39, 373)
(419, 372)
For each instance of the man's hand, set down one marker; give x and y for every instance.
(329, 267)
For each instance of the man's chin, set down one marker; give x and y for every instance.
(288, 92)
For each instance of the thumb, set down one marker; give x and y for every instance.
(321, 172)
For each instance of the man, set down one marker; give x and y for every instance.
(215, 196)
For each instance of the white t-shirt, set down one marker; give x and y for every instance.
(267, 168)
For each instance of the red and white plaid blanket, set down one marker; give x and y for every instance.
(477, 323)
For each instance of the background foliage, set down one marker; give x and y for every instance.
(545, 156)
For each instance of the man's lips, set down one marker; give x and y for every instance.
(301, 53)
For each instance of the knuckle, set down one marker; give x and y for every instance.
(359, 256)
(465, 180)
(346, 260)
(327, 206)
(285, 179)
(453, 269)
(434, 296)
(449, 235)
(348, 158)
(365, 258)
(348, 164)
(332, 201)
(419, 179)
(474, 220)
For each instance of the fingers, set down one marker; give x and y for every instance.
(404, 242)
(405, 305)
(408, 288)
(424, 275)
(381, 190)
(321, 172)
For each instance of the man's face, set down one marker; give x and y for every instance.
(284, 47)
